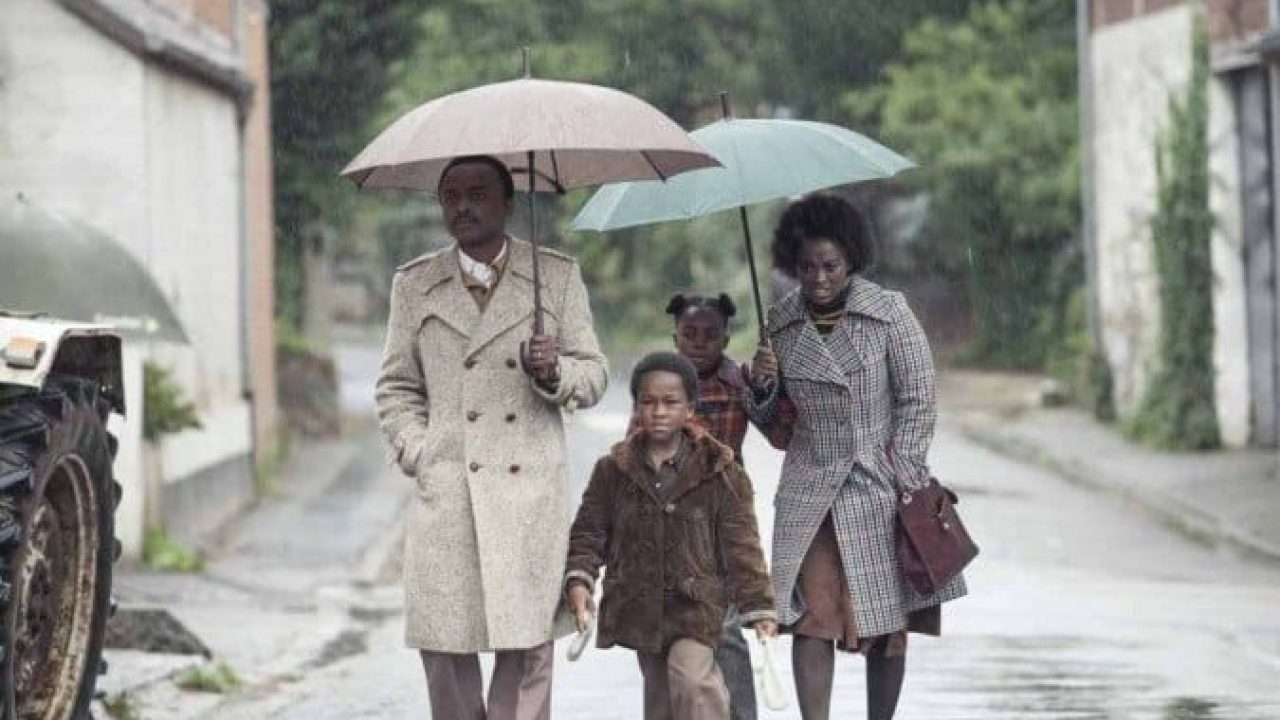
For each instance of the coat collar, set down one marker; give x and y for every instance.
(706, 458)
(512, 301)
(729, 373)
(865, 298)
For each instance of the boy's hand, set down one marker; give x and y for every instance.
(766, 628)
(581, 604)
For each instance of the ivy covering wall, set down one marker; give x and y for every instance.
(1177, 410)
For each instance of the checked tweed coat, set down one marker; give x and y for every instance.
(488, 527)
(864, 389)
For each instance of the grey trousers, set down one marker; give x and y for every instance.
(735, 664)
(520, 688)
(683, 684)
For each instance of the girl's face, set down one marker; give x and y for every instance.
(823, 270)
(662, 406)
(701, 336)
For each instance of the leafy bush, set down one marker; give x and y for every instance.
(161, 552)
(165, 407)
(219, 678)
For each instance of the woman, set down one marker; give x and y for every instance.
(852, 359)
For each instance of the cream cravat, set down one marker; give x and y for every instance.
(481, 272)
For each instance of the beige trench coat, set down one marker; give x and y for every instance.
(489, 525)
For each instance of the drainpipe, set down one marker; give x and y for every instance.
(1087, 227)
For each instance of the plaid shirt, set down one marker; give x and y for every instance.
(720, 409)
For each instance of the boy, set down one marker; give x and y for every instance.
(670, 514)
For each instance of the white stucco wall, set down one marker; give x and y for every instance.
(153, 159)
(1230, 318)
(1136, 65)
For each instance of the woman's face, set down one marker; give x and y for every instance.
(823, 270)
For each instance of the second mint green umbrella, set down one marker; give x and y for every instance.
(762, 160)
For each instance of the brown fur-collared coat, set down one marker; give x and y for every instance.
(674, 561)
(489, 524)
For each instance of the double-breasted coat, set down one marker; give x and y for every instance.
(488, 527)
(865, 404)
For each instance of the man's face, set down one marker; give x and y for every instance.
(475, 210)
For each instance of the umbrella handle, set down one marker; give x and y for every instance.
(755, 281)
(533, 239)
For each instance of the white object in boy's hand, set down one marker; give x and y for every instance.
(766, 671)
(580, 640)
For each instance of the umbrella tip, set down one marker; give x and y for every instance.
(528, 66)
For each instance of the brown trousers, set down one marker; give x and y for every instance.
(683, 684)
(520, 688)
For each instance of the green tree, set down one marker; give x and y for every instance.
(988, 107)
(823, 50)
(329, 61)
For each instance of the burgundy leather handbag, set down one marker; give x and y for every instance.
(931, 542)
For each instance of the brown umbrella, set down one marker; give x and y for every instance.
(553, 136)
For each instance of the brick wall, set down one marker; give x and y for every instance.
(216, 15)
(1236, 20)
(1229, 20)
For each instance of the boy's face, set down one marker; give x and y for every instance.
(662, 405)
(701, 336)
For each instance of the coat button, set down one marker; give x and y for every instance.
(670, 508)
(514, 469)
(511, 363)
(472, 415)
(475, 467)
(469, 363)
(511, 417)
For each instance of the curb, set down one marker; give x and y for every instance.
(1191, 522)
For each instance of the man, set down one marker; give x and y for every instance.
(470, 404)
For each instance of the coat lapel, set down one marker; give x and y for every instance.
(832, 359)
(807, 357)
(706, 457)
(444, 296)
(512, 301)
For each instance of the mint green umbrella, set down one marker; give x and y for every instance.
(762, 160)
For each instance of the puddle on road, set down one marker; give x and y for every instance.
(1063, 677)
(348, 643)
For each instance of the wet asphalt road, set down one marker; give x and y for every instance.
(1080, 607)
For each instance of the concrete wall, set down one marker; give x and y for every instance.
(154, 158)
(1135, 66)
(1138, 59)
(1231, 336)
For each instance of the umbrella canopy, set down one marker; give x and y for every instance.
(762, 160)
(579, 135)
(69, 270)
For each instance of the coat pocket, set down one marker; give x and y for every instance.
(698, 535)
